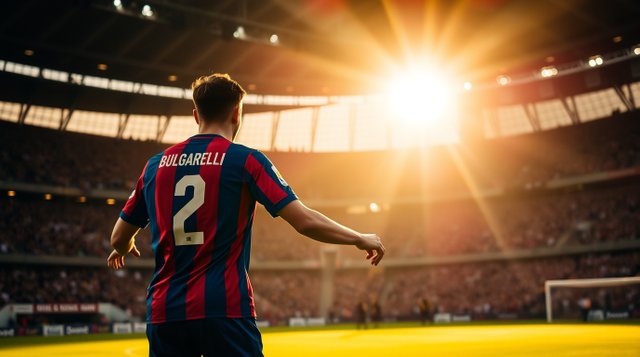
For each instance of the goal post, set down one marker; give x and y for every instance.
(582, 283)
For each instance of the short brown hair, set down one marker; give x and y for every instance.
(215, 96)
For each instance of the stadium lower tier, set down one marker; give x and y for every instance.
(482, 290)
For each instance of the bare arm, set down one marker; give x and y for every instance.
(123, 243)
(317, 226)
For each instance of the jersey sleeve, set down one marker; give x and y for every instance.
(267, 184)
(135, 210)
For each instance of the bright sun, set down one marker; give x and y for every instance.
(420, 96)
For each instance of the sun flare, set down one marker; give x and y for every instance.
(420, 96)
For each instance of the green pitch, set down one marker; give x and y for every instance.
(467, 340)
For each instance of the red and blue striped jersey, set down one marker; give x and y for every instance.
(199, 198)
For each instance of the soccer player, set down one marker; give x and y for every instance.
(198, 198)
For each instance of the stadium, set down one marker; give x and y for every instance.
(493, 145)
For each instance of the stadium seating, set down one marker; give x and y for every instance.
(445, 205)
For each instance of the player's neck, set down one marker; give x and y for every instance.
(227, 133)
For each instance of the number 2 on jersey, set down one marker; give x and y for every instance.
(198, 184)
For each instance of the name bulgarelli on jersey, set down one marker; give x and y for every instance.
(192, 159)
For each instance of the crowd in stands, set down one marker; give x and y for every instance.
(483, 290)
(525, 217)
(124, 288)
(560, 219)
(44, 156)
(280, 295)
(60, 228)
(49, 157)
(489, 289)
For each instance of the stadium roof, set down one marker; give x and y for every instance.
(323, 47)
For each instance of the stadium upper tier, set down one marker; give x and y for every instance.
(524, 162)
(124, 109)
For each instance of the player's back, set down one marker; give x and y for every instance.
(199, 196)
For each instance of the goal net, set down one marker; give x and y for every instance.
(593, 299)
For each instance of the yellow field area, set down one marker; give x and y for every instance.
(518, 340)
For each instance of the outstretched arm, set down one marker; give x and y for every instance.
(123, 242)
(317, 226)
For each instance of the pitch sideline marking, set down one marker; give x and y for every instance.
(130, 351)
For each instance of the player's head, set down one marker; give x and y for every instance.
(218, 98)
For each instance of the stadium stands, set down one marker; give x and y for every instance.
(125, 289)
(482, 290)
(465, 202)
(511, 163)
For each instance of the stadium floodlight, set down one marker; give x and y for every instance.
(595, 61)
(467, 86)
(582, 283)
(118, 5)
(274, 39)
(239, 33)
(503, 79)
(636, 50)
(147, 11)
(548, 71)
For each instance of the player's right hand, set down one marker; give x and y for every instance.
(116, 261)
(372, 244)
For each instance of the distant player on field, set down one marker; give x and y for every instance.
(198, 198)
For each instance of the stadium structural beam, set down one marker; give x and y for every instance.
(64, 122)
(24, 110)
(162, 127)
(571, 109)
(275, 123)
(532, 114)
(315, 113)
(71, 107)
(626, 100)
(122, 124)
